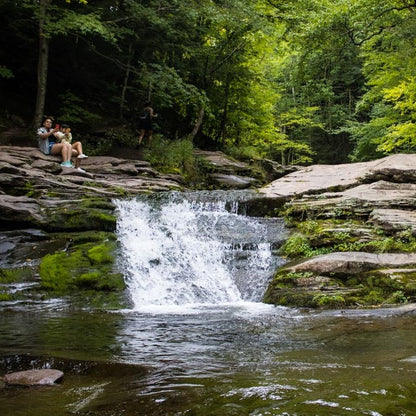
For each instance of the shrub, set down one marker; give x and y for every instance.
(170, 156)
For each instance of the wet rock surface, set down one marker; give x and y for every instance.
(34, 377)
(368, 206)
(37, 194)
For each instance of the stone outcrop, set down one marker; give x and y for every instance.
(348, 263)
(381, 190)
(317, 179)
(57, 224)
(355, 205)
(104, 175)
(224, 172)
(358, 201)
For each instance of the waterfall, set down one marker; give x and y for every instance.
(181, 249)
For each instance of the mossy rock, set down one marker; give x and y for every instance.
(84, 266)
(87, 214)
(368, 289)
(81, 219)
(16, 275)
(12, 276)
(313, 237)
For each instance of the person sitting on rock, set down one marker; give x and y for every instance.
(48, 143)
(64, 135)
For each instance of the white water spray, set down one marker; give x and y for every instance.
(176, 251)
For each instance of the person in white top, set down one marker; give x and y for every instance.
(64, 135)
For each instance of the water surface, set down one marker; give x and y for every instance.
(197, 340)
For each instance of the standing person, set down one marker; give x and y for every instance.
(64, 135)
(145, 122)
(49, 145)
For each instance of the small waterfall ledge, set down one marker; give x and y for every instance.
(194, 248)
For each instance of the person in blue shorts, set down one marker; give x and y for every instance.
(49, 146)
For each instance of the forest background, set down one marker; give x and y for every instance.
(299, 82)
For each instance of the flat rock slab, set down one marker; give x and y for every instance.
(320, 178)
(33, 377)
(354, 262)
(394, 219)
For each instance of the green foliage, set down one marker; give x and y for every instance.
(296, 245)
(389, 102)
(72, 112)
(397, 297)
(297, 82)
(121, 135)
(171, 156)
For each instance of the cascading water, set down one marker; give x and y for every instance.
(187, 249)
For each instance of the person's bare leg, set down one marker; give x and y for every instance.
(75, 154)
(62, 149)
(78, 147)
(149, 137)
(142, 132)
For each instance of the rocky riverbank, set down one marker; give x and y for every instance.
(57, 224)
(353, 239)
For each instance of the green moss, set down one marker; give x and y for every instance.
(98, 203)
(6, 297)
(332, 301)
(56, 270)
(81, 219)
(100, 281)
(100, 254)
(85, 266)
(364, 290)
(313, 237)
(30, 190)
(15, 275)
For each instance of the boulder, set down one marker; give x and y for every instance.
(33, 377)
(233, 181)
(224, 172)
(346, 279)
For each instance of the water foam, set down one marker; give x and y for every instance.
(177, 251)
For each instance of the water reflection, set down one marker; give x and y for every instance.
(243, 359)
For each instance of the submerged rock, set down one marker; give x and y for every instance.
(34, 377)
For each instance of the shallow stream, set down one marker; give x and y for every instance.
(197, 340)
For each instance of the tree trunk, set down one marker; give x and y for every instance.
(221, 131)
(125, 83)
(198, 124)
(43, 58)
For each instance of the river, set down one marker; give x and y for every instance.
(197, 340)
